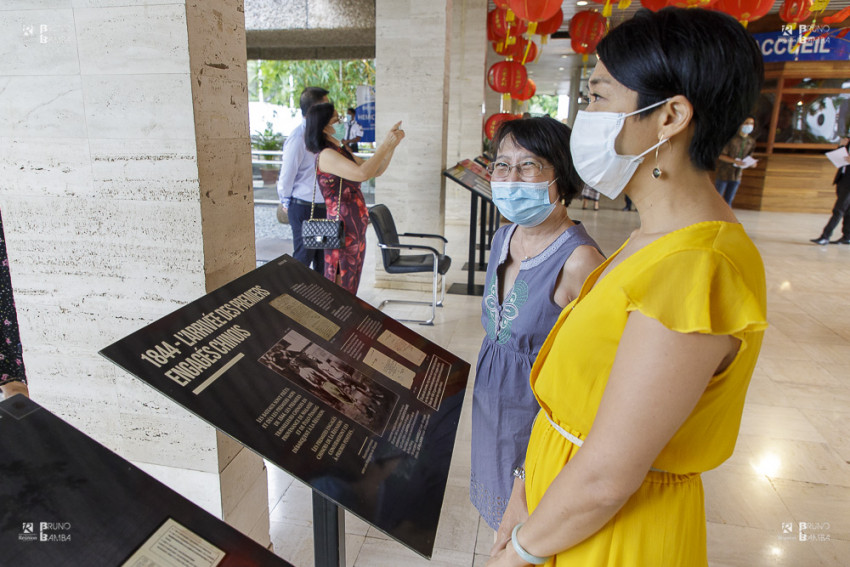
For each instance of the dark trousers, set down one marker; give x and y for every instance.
(307, 256)
(841, 210)
(727, 189)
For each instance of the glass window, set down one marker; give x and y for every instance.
(762, 113)
(812, 118)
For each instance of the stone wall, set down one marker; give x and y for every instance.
(126, 192)
(310, 29)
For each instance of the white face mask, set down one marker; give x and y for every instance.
(594, 157)
(747, 129)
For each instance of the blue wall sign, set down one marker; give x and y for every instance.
(822, 44)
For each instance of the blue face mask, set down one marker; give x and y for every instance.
(523, 202)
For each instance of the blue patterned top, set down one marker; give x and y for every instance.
(503, 407)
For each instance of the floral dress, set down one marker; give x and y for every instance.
(345, 262)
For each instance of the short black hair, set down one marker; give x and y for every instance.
(352, 111)
(318, 117)
(309, 97)
(550, 139)
(703, 55)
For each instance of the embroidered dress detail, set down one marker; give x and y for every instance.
(501, 318)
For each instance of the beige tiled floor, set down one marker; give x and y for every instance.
(791, 462)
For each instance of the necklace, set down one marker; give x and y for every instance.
(548, 238)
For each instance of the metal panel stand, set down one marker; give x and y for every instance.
(328, 533)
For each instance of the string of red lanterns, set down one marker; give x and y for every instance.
(513, 18)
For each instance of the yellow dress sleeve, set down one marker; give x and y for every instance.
(702, 291)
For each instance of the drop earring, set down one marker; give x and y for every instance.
(656, 172)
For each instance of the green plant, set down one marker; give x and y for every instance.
(268, 139)
(281, 82)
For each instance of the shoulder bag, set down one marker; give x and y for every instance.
(326, 234)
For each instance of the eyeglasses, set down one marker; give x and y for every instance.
(527, 169)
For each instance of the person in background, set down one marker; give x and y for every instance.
(353, 132)
(537, 266)
(643, 378)
(629, 205)
(731, 163)
(589, 194)
(295, 184)
(12, 375)
(337, 169)
(841, 209)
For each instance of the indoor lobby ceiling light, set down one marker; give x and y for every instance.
(560, 68)
(581, 3)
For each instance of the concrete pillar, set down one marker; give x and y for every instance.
(466, 95)
(412, 74)
(125, 185)
(575, 88)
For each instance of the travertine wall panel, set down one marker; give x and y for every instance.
(44, 38)
(138, 106)
(160, 46)
(416, 93)
(466, 92)
(126, 192)
(46, 167)
(44, 107)
(158, 170)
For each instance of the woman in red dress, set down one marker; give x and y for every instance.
(337, 170)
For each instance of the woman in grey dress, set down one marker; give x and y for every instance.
(537, 266)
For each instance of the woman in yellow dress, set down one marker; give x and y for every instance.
(642, 380)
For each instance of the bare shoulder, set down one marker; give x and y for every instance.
(581, 262)
(578, 266)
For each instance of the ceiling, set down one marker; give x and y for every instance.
(554, 66)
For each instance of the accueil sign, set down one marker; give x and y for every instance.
(804, 44)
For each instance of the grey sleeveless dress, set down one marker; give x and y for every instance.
(503, 407)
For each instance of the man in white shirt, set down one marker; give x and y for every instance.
(353, 132)
(297, 181)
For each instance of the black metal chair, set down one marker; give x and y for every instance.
(397, 263)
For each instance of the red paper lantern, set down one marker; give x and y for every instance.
(535, 10)
(795, 11)
(503, 4)
(499, 27)
(507, 76)
(491, 26)
(502, 48)
(655, 5)
(492, 124)
(525, 92)
(692, 3)
(586, 29)
(519, 51)
(744, 11)
(550, 26)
